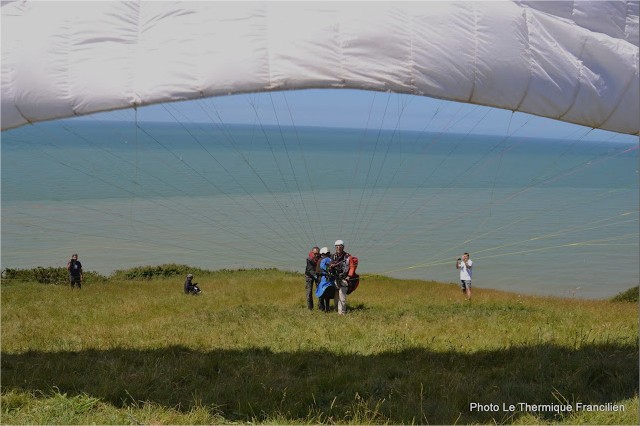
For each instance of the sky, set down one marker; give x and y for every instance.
(363, 109)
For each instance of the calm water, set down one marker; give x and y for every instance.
(537, 216)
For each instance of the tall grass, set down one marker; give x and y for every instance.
(134, 349)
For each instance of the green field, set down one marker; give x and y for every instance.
(128, 350)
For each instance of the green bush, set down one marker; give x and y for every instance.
(47, 275)
(50, 275)
(630, 295)
(142, 273)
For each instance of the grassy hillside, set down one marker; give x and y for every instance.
(133, 349)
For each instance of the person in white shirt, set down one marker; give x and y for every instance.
(465, 266)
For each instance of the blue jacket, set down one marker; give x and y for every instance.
(326, 281)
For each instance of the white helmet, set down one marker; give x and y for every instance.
(189, 275)
(324, 250)
(339, 243)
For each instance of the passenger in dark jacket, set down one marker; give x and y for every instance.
(75, 271)
(310, 275)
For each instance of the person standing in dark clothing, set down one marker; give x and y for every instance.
(310, 275)
(75, 271)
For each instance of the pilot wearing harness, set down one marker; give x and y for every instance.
(339, 267)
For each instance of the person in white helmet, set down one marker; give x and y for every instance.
(339, 267)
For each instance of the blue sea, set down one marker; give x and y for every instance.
(538, 216)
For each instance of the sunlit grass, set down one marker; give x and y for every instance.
(248, 350)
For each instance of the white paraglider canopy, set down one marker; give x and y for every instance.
(572, 61)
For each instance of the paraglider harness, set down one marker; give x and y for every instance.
(193, 289)
(345, 270)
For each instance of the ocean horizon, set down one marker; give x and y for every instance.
(539, 216)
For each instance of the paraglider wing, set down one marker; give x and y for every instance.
(572, 61)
